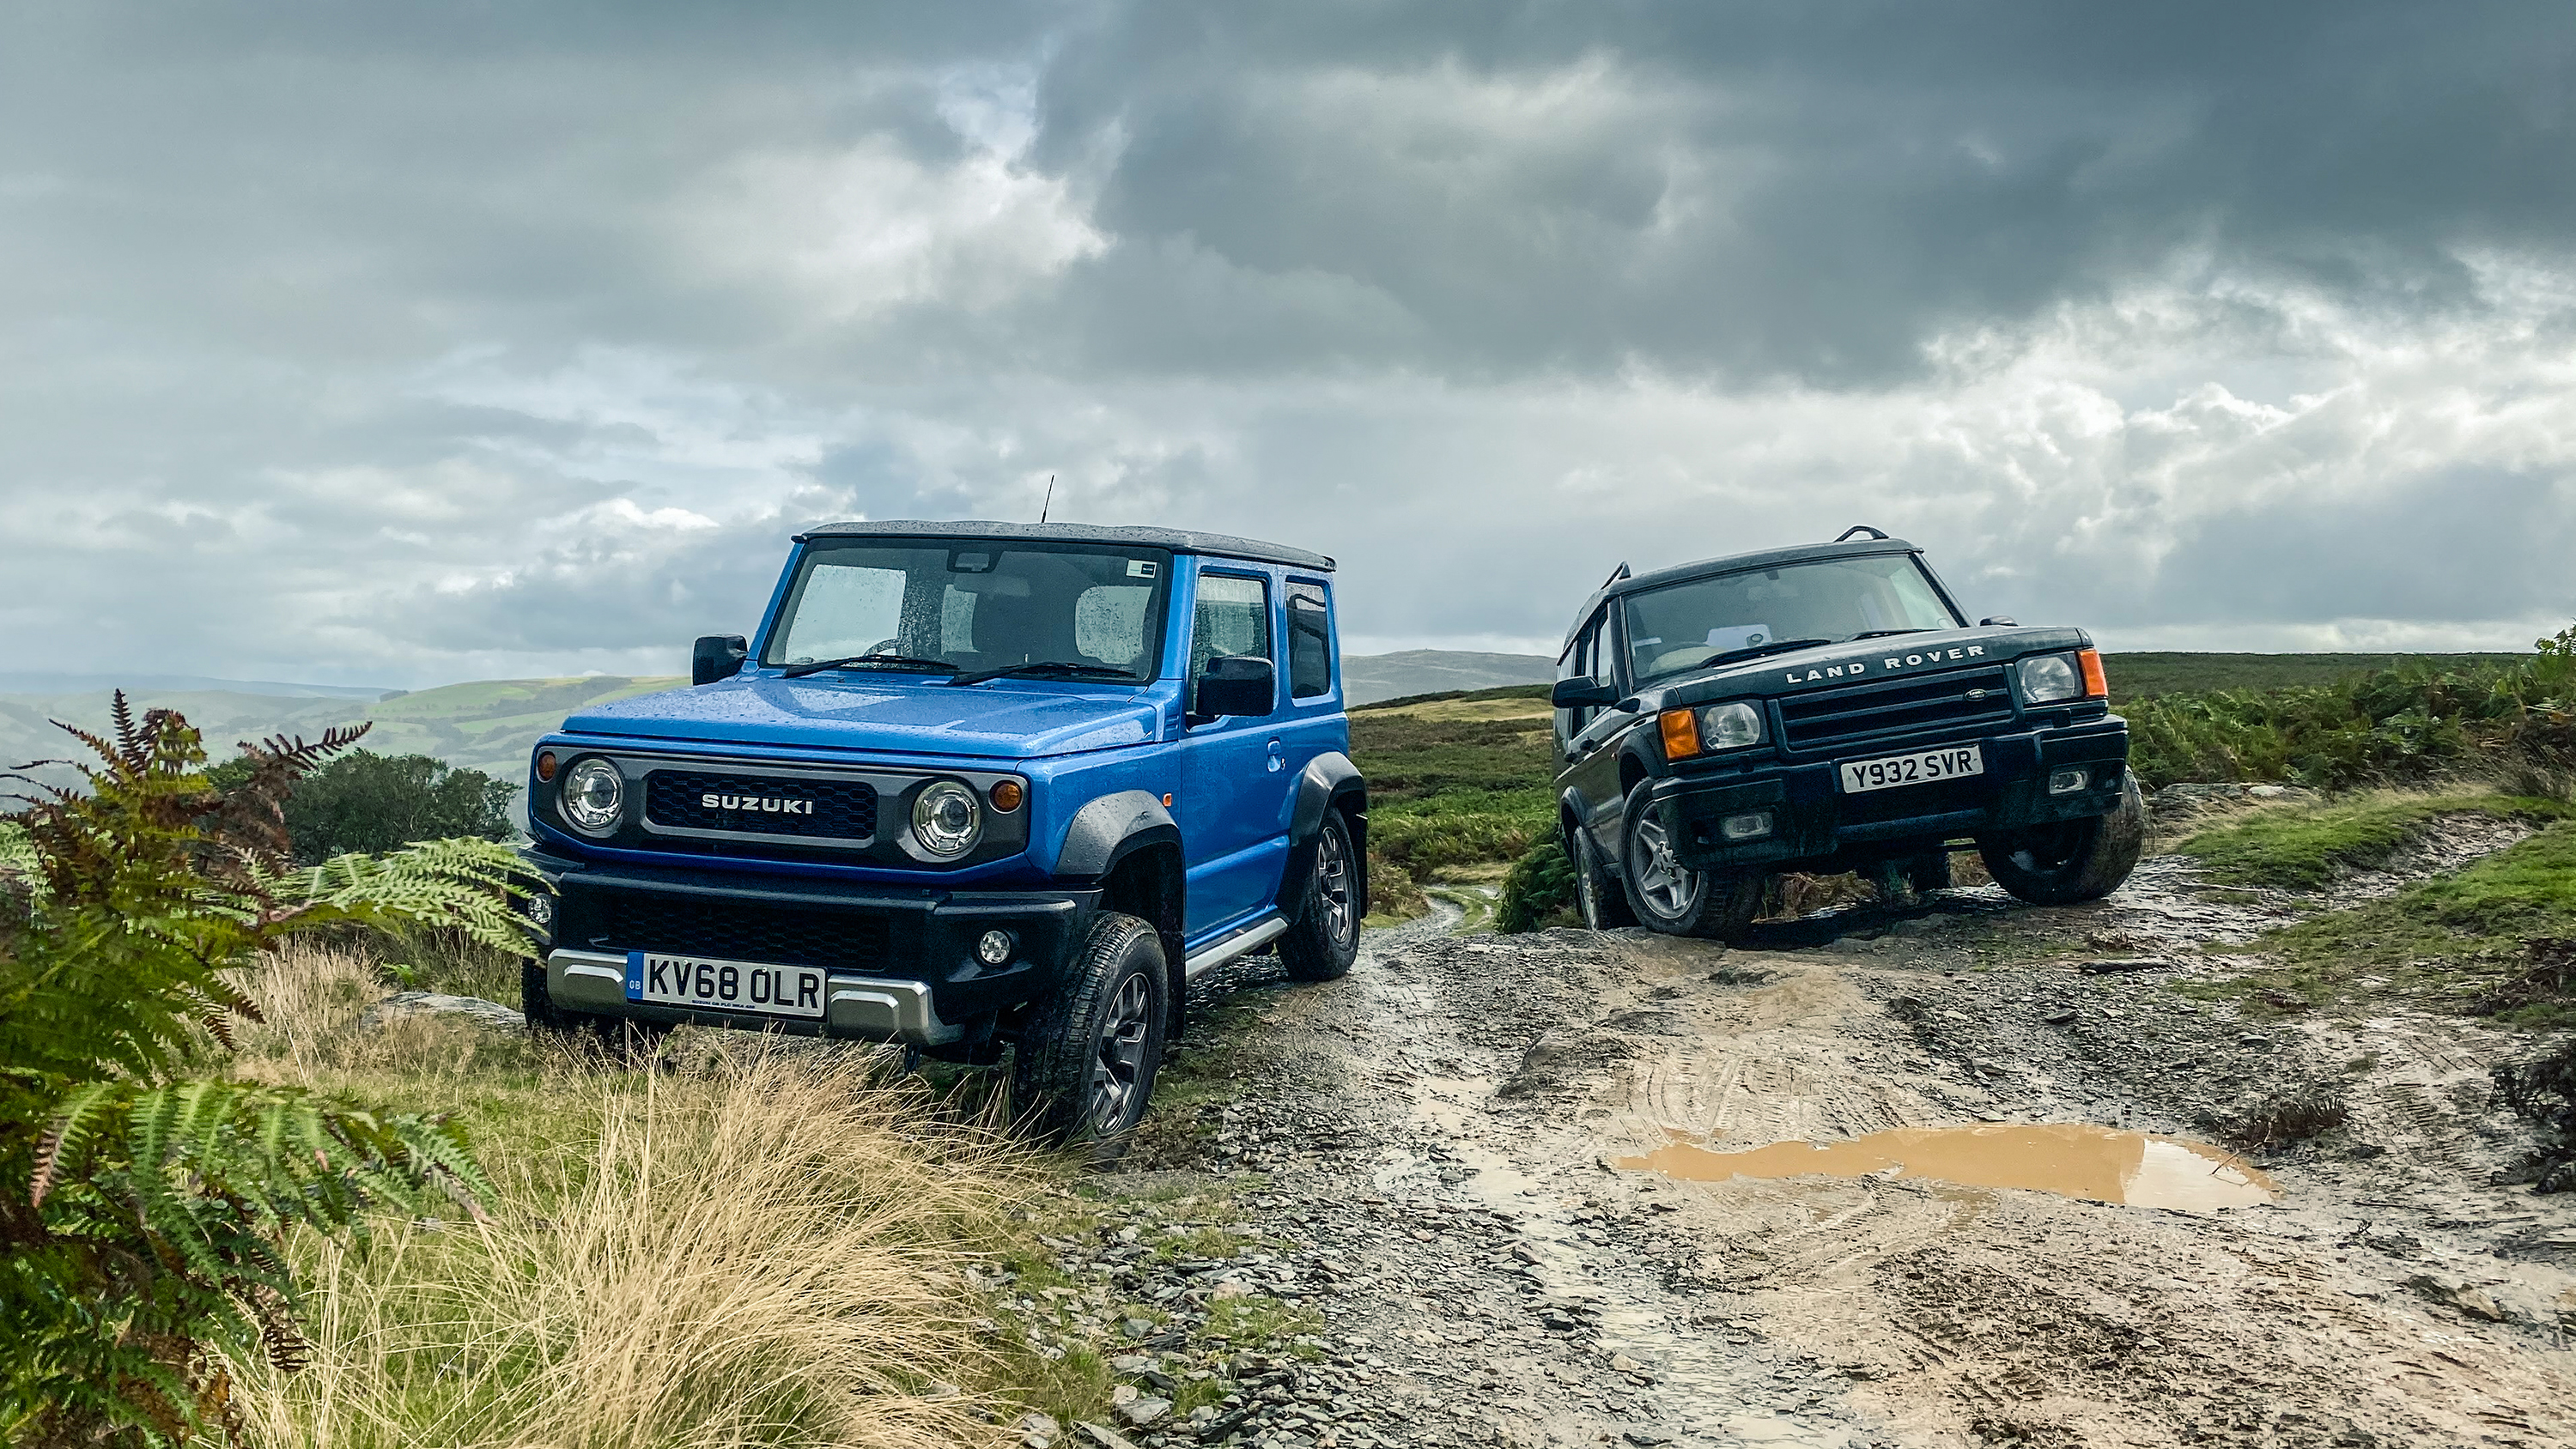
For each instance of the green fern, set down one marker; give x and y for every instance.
(141, 1208)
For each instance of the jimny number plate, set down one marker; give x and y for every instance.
(660, 980)
(1921, 768)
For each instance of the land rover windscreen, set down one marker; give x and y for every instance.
(1698, 622)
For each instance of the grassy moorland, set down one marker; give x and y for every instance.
(756, 1243)
(1458, 787)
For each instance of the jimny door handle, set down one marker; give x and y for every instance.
(1278, 757)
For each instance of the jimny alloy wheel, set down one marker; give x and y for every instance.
(1118, 1058)
(1333, 888)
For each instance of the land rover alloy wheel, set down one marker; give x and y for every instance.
(1669, 896)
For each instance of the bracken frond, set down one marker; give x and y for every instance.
(141, 1216)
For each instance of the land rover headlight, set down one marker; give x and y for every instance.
(2048, 678)
(1730, 726)
(594, 797)
(946, 819)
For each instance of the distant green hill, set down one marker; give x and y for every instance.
(2142, 675)
(489, 725)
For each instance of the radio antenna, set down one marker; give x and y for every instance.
(1050, 499)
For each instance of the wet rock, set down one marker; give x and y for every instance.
(1143, 1410)
(2469, 1302)
(435, 1003)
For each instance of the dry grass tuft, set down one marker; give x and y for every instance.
(764, 1248)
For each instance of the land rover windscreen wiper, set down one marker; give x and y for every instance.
(1883, 633)
(853, 661)
(1048, 668)
(1756, 651)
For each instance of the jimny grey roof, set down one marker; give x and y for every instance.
(1176, 539)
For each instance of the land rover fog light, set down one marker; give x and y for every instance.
(1007, 795)
(1745, 827)
(993, 947)
(946, 819)
(2067, 782)
(594, 797)
(1730, 726)
(2048, 678)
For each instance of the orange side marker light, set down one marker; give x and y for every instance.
(2097, 685)
(1681, 733)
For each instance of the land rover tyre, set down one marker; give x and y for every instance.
(1085, 1061)
(2078, 860)
(1324, 938)
(1598, 897)
(1674, 899)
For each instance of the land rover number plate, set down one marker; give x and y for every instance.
(1920, 768)
(660, 980)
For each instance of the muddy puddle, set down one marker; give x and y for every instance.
(2071, 1159)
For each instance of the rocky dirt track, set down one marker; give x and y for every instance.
(1438, 1137)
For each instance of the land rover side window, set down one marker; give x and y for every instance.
(1310, 642)
(1233, 618)
(1679, 627)
(977, 606)
(1582, 660)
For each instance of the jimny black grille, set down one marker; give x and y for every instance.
(724, 930)
(761, 804)
(1949, 704)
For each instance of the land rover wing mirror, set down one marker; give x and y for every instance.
(1581, 693)
(1238, 684)
(716, 656)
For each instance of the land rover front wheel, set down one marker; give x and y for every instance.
(1324, 939)
(1085, 1063)
(1670, 897)
(2074, 860)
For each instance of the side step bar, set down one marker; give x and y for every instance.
(1241, 943)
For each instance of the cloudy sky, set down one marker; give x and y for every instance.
(411, 343)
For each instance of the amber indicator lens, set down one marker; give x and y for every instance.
(1007, 795)
(546, 765)
(2097, 685)
(1681, 733)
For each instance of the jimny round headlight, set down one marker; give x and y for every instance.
(594, 797)
(946, 819)
(2048, 678)
(1730, 726)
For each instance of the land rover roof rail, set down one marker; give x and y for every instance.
(1860, 528)
(1616, 574)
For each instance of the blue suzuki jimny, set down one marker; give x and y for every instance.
(972, 785)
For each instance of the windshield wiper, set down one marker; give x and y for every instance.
(1756, 651)
(853, 661)
(1056, 668)
(1883, 633)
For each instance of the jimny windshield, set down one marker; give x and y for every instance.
(1679, 627)
(975, 605)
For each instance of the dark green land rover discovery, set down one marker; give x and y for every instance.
(1827, 708)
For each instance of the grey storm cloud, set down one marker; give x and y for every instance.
(401, 344)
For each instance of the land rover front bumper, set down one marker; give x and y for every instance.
(1811, 818)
